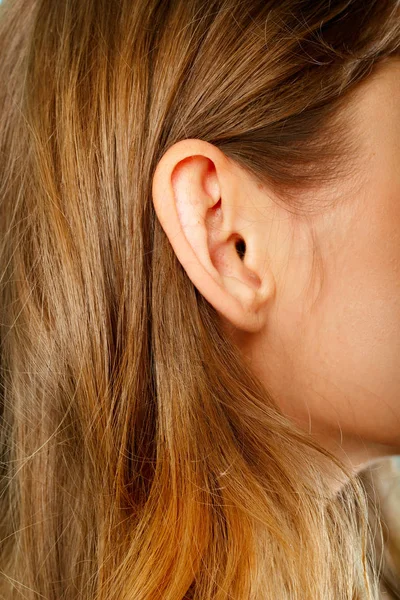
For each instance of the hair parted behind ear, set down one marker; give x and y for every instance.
(140, 458)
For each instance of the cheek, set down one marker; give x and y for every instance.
(349, 366)
(331, 353)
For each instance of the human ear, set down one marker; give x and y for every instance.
(199, 197)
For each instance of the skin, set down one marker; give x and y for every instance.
(327, 347)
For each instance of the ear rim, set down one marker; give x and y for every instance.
(247, 316)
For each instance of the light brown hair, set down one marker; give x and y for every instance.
(140, 457)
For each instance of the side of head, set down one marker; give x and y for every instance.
(310, 295)
(168, 171)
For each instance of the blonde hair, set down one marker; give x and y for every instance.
(141, 458)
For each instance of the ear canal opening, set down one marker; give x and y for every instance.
(240, 246)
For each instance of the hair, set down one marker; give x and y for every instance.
(141, 458)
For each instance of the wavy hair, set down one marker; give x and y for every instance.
(141, 458)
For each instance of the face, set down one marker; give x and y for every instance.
(330, 351)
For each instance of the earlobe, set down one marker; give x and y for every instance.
(194, 191)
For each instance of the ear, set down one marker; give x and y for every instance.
(201, 198)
